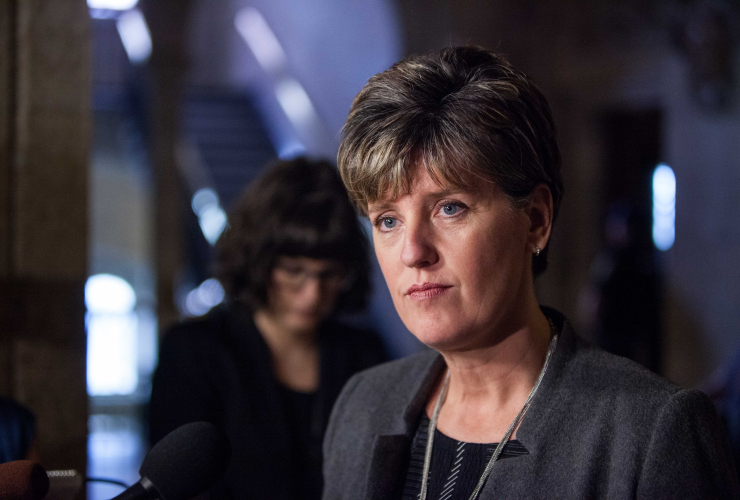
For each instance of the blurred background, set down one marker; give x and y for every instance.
(128, 128)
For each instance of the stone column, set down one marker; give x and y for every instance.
(44, 131)
(168, 22)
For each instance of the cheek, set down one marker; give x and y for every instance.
(277, 299)
(488, 260)
(387, 260)
(392, 268)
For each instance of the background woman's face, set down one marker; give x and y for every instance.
(303, 292)
(456, 262)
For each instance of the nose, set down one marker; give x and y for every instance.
(418, 248)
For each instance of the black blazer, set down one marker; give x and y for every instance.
(600, 426)
(217, 368)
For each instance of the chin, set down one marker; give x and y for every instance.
(437, 333)
(302, 324)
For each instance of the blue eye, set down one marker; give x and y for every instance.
(389, 222)
(450, 209)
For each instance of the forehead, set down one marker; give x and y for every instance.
(421, 184)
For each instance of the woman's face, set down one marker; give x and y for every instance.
(303, 292)
(457, 263)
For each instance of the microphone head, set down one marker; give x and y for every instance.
(23, 480)
(187, 461)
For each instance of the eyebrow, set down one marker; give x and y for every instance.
(379, 207)
(384, 205)
(445, 192)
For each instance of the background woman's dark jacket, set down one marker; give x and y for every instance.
(600, 426)
(218, 369)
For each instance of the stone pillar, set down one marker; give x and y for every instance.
(168, 22)
(44, 131)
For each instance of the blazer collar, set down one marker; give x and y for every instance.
(391, 449)
(534, 426)
(432, 365)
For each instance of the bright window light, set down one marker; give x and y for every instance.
(664, 207)
(295, 103)
(109, 294)
(135, 35)
(104, 13)
(111, 354)
(111, 336)
(112, 4)
(261, 40)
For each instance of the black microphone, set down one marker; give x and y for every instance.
(23, 480)
(184, 464)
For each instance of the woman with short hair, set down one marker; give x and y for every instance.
(453, 157)
(267, 367)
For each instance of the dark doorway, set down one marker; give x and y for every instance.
(625, 276)
(632, 146)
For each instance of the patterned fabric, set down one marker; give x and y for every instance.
(456, 465)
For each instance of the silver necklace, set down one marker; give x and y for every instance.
(504, 440)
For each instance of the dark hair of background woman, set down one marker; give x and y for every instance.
(298, 208)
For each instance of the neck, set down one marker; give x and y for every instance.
(295, 355)
(489, 385)
(279, 338)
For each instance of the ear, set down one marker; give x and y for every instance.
(540, 213)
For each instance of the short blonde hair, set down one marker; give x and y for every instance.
(465, 114)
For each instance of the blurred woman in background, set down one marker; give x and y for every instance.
(268, 366)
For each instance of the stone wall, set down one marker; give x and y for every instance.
(44, 130)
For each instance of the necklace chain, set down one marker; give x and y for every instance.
(507, 435)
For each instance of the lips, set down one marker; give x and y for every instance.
(426, 290)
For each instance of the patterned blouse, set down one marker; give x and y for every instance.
(456, 466)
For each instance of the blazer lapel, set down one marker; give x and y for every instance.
(388, 466)
(391, 449)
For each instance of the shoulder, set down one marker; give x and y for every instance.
(377, 396)
(591, 374)
(612, 394)
(615, 398)
(200, 328)
(373, 403)
(687, 426)
(657, 421)
(614, 415)
(393, 380)
(196, 337)
(608, 375)
(599, 387)
(615, 393)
